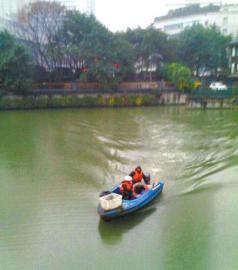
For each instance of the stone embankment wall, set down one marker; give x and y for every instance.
(44, 101)
(173, 98)
(209, 103)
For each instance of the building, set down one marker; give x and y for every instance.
(223, 16)
(90, 7)
(70, 4)
(233, 59)
(9, 9)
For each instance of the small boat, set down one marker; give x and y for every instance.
(132, 205)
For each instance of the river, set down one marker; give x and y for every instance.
(53, 165)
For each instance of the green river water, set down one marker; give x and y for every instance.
(53, 165)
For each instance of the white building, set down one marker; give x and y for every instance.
(9, 8)
(90, 9)
(224, 17)
(233, 59)
(70, 4)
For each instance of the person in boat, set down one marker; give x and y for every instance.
(126, 188)
(129, 190)
(137, 176)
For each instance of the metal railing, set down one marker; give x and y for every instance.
(207, 93)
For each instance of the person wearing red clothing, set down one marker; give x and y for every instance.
(137, 176)
(126, 188)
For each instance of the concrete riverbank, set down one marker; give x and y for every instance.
(211, 103)
(46, 101)
(95, 99)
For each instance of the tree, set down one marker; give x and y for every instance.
(123, 58)
(86, 45)
(90, 47)
(37, 24)
(203, 49)
(151, 48)
(15, 65)
(179, 75)
(67, 41)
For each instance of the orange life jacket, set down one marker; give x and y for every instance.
(138, 176)
(126, 185)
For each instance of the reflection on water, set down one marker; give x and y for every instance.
(53, 165)
(112, 232)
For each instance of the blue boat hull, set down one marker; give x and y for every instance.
(129, 206)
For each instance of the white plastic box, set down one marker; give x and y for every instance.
(110, 201)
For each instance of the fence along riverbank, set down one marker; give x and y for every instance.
(77, 95)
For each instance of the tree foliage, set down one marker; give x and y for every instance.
(90, 49)
(179, 75)
(151, 48)
(203, 49)
(37, 24)
(15, 65)
(68, 42)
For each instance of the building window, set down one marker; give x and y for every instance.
(232, 68)
(225, 20)
(233, 53)
(224, 30)
(177, 26)
(196, 22)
